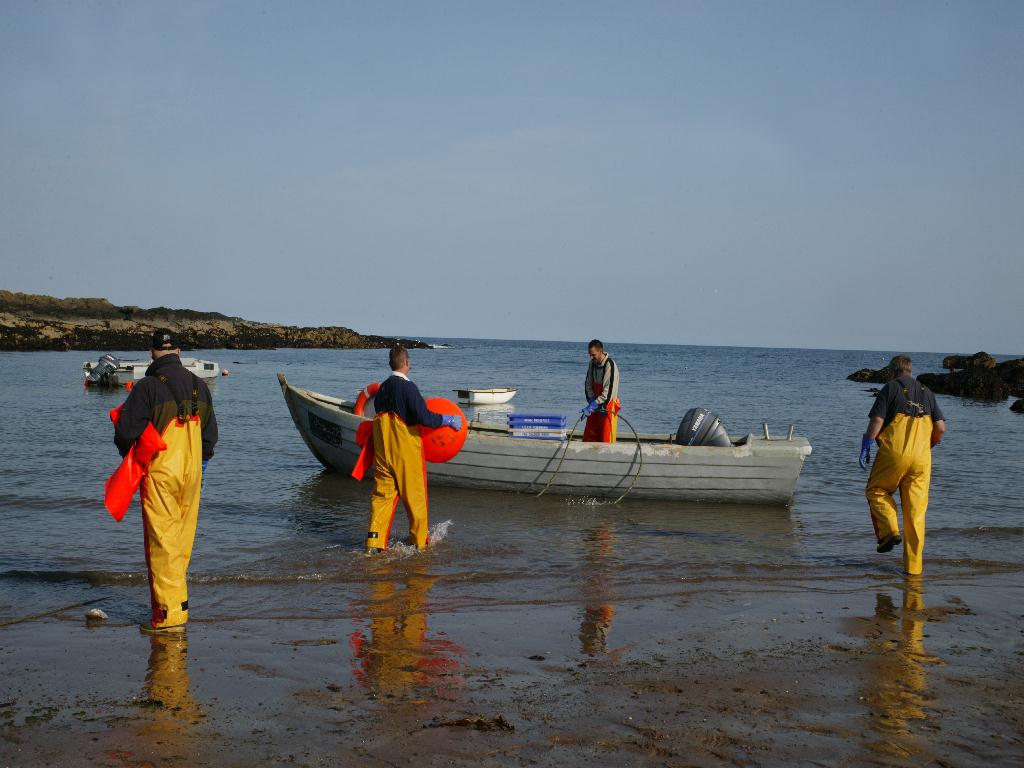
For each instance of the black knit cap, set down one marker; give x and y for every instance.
(164, 338)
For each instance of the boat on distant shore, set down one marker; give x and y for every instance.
(753, 469)
(111, 371)
(492, 396)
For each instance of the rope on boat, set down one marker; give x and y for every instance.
(640, 468)
(565, 450)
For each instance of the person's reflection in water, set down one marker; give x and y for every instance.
(598, 610)
(171, 709)
(395, 658)
(896, 690)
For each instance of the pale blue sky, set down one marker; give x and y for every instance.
(821, 174)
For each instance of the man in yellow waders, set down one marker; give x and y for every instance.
(906, 422)
(601, 388)
(179, 406)
(399, 469)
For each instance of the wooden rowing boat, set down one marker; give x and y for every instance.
(754, 470)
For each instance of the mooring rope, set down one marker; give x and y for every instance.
(639, 469)
(44, 614)
(565, 450)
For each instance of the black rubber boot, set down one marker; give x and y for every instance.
(886, 544)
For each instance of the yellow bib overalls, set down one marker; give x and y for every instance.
(904, 462)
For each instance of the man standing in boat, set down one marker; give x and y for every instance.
(399, 470)
(906, 422)
(179, 406)
(601, 388)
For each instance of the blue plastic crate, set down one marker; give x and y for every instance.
(521, 435)
(536, 420)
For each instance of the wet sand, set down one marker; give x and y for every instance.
(724, 671)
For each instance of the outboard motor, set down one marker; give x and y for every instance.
(99, 374)
(702, 427)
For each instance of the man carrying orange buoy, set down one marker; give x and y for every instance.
(601, 389)
(399, 469)
(179, 406)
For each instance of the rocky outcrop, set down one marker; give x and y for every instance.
(977, 360)
(869, 376)
(978, 384)
(35, 323)
(1018, 406)
(976, 376)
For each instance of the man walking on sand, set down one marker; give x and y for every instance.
(906, 422)
(399, 470)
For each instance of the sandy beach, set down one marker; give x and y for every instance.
(747, 670)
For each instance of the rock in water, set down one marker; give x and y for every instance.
(95, 615)
(976, 383)
(977, 360)
(976, 376)
(1018, 407)
(1012, 372)
(870, 376)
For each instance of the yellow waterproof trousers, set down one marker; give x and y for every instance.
(170, 511)
(904, 462)
(399, 472)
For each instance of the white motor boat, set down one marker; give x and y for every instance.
(114, 372)
(746, 470)
(492, 396)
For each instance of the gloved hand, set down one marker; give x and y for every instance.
(202, 482)
(865, 451)
(455, 422)
(591, 407)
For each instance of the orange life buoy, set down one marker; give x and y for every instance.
(441, 444)
(364, 396)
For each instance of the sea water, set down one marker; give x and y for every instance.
(279, 536)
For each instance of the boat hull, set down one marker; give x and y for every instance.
(757, 472)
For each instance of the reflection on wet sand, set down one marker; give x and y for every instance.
(395, 657)
(897, 685)
(172, 710)
(598, 610)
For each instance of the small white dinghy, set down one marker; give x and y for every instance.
(114, 372)
(492, 396)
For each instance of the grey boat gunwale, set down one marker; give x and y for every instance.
(754, 470)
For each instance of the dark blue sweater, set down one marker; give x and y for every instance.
(403, 398)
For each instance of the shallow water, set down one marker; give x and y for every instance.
(272, 519)
(558, 611)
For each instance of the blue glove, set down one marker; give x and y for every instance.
(591, 407)
(865, 451)
(202, 482)
(455, 422)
